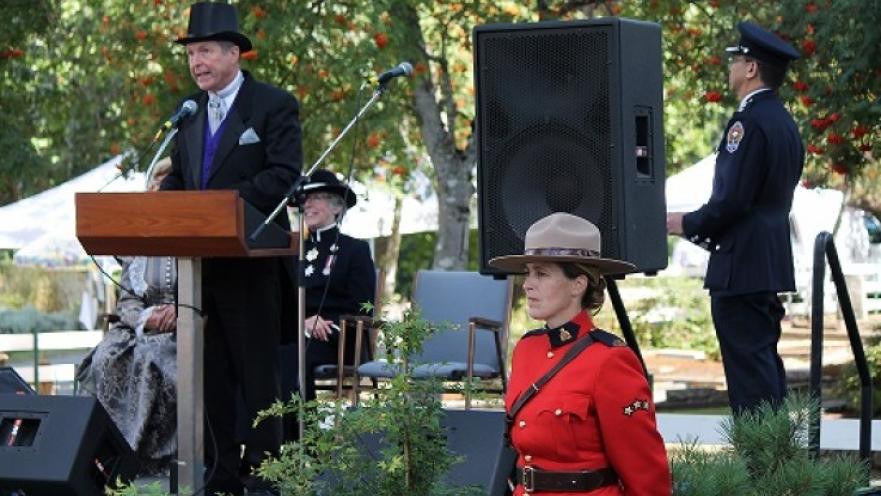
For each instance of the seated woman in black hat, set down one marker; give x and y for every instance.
(339, 274)
(590, 428)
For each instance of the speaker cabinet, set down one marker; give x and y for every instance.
(478, 436)
(60, 446)
(570, 119)
(475, 435)
(11, 382)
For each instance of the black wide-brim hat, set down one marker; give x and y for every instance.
(323, 180)
(761, 44)
(211, 21)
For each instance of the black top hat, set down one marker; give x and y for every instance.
(210, 21)
(762, 45)
(323, 180)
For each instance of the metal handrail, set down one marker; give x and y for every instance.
(824, 250)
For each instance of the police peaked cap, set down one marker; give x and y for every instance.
(763, 45)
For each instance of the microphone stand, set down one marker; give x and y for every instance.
(296, 196)
(159, 151)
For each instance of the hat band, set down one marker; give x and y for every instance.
(566, 252)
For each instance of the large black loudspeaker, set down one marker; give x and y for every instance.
(60, 446)
(569, 119)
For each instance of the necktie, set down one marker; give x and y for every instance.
(216, 112)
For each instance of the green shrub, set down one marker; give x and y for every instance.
(767, 457)
(847, 385)
(29, 319)
(417, 253)
(47, 290)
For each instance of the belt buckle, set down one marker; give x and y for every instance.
(528, 479)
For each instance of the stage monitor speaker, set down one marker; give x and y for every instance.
(11, 382)
(569, 118)
(60, 446)
(478, 437)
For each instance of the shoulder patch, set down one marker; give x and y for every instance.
(607, 338)
(735, 135)
(534, 332)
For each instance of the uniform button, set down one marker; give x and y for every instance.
(558, 412)
(522, 424)
(527, 458)
(718, 246)
(550, 354)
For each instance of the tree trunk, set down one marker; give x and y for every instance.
(388, 261)
(436, 110)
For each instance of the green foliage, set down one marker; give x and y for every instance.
(152, 489)
(29, 319)
(56, 290)
(848, 381)
(417, 253)
(674, 312)
(767, 458)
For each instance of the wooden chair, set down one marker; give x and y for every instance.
(330, 377)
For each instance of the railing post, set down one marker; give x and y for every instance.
(824, 249)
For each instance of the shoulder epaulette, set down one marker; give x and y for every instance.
(535, 332)
(607, 338)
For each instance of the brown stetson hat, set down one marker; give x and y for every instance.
(561, 238)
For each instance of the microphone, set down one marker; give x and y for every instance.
(188, 108)
(402, 69)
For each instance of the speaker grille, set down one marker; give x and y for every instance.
(562, 108)
(545, 132)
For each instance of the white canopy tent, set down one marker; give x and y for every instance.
(51, 215)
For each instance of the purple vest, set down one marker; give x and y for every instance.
(209, 149)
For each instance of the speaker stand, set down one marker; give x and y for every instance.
(624, 321)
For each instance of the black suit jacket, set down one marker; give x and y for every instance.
(745, 224)
(262, 171)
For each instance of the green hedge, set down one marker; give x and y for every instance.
(29, 319)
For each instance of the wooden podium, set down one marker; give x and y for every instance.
(189, 225)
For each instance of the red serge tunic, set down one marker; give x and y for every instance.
(596, 412)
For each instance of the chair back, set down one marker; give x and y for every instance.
(452, 297)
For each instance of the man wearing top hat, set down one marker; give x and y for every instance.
(245, 136)
(745, 223)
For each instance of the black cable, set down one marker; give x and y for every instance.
(119, 285)
(216, 456)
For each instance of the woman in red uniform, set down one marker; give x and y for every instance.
(590, 428)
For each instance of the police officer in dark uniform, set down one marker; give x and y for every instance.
(339, 276)
(745, 223)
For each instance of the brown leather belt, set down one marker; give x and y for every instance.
(536, 480)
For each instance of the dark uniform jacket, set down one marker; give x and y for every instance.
(262, 170)
(596, 412)
(745, 224)
(346, 261)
